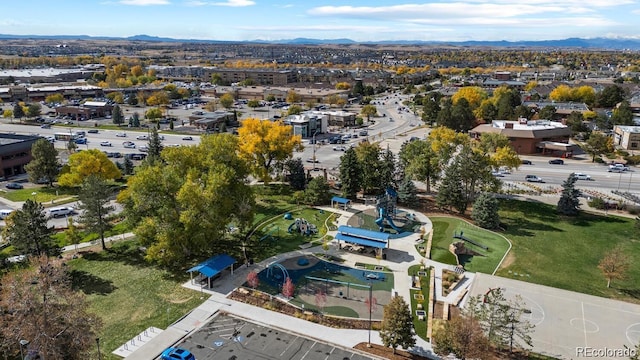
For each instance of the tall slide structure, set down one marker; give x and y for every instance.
(386, 208)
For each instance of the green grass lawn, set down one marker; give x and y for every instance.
(43, 194)
(420, 326)
(130, 295)
(443, 231)
(564, 252)
(119, 228)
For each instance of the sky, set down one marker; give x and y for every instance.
(359, 20)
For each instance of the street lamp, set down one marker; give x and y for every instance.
(370, 310)
(23, 343)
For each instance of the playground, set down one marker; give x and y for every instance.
(478, 250)
(330, 288)
(386, 217)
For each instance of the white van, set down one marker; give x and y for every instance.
(60, 212)
(4, 213)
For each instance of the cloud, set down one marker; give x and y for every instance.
(196, 3)
(144, 2)
(235, 3)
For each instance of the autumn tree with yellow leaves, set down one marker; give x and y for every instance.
(265, 143)
(85, 163)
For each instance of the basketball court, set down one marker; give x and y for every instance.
(570, 325)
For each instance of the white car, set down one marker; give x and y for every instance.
(533, 178)
(105, 143)
(142, 137)
(121, 134)
(143, 148)
(339, 148)
(581, 176)
(129, 145)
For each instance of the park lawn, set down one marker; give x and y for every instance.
(43, 194)
(563, 252)
(272, 200)
(443, 231)
(119, 228)
(273, 238)
(128, 294)
(420, 326)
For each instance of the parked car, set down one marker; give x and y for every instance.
(4, 213)
(60, 212)
(533, 178)
(129, 145)
(187, 138)
(556, 162)
(105, 143)
(339, 148)
(142, 137)
(310, 160)
(13, 185)
(581, 176)
(121, 134)
(92, 131)
(143, 148)
(526, 162)
(177, 354)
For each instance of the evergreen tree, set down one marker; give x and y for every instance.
(135, 119)
(569, 203)
(430, 109)
(318, 191)
(44, 164)
(116, 115)
(462, 116)
(26, 229)
(408, 193)
(445, 117)
(623, 114)
(297, 177)
(369, 159)
(387, 170)
(155, 146)
(94, 199)
(350, 174)
(397, 325)
(127, 166)
(610, 96)
(485, 211)
(18, 111)
(505, 110)
(547, 112)
(451, 193)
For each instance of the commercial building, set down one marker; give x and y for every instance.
(627, 137)
(307, 124)
(531, 136)
(15, 153)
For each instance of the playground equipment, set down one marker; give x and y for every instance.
(303, 227)
(386, 207)
(269, 234)
(462, 237)
(280, 278)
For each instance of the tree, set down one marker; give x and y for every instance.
(18, 111)
(387, 172)
(623, 114)
(485, 211)
(293, 97)
(71, 234)
(94, 199)
(34, 110)
(155, 146)
(288, 288)
(44, 308)
(474, 95)
(350, 174)
(598, 144)
(180, 208)
(486, 111)
(135, 119)
(127, 166)
(569, 203)
(86, 163)
(420, 162)
(369, 111)
(54, 98)
(343, 86)
(297, 177)
(294, 109)
(7, 114)
(44, 164)
(463, 119)
(153, 114)
(397, 325)
(318, 191)
(368, 154)
(265, 143)
(462, 336)
(227, 100)
(26, 229)
(407, 192)
(430, 109)
(547, 112)
(610, 96)
(445, 117)
(116, 115)
(615, 265)
(253, 103)
(253, 280)
(450, 192)
(71, 146)
(561, 93)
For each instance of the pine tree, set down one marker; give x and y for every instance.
(485, 211)
(26, 229)
(569, 203)
(350, 174)
(397, 325)
(408, 193)
(116, 115)
(387, 170)
(127, 166)
(155, 146)
(18, 111)
(297, 177)
(444, 115)
(94, 199)
(450, 192)
(44, 164)
(135, 119)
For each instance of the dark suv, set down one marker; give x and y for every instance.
(556, 162)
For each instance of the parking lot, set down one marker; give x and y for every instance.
(227, 337)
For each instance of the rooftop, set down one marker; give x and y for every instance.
(529, 125)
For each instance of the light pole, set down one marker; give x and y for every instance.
(630, 176)
(370, 310)
(23, 343)
(98, 343)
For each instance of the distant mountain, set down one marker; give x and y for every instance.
(594, 43)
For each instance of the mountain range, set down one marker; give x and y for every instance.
(592, 43)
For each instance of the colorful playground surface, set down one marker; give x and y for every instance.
(488, 248)
(345, 290)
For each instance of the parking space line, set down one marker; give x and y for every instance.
(307, 353)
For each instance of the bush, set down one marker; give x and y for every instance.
(623, 153)
(633, 159)
(597, 203)
(633, 210)
(599, 160)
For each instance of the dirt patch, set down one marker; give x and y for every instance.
(508, 261)
(387, 353)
